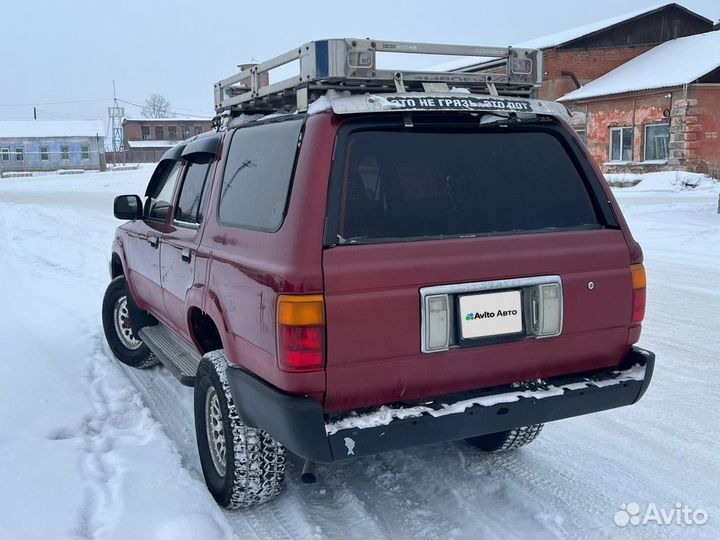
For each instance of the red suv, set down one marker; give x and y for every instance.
(359, 278)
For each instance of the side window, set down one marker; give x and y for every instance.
(189, 207)
(257, 175)
(159, 202)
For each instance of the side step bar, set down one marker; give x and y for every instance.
(181, 359)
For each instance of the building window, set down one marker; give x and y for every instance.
(621, 144)
(582, 133)
(64, 152)
(657, 137)
(85, 151)
(19, 155)
(198, 130)
(44, 153)
(172, 133)
(185, 131)
(159, 133)
(145, 133)
(5, 154)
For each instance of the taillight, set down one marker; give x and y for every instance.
(639, 282)
(301, 332)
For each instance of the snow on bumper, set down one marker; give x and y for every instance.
(300, 424)
(385, 414)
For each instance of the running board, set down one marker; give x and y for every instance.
(181, 359)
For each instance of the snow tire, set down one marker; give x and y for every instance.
(129, 349)
(507, 440)
(254, 466)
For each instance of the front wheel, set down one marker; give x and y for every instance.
(243, 466)
(507, 440)
(125, 345)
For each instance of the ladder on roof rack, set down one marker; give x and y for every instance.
(351, 65)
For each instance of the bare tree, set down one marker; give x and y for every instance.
(157, 106)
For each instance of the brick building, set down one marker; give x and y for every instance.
(147, 139)
(631, 117)
(575, 57)
(659, 111)
(578, 56)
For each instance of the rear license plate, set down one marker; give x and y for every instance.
(491, 314)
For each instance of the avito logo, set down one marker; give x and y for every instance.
(490, 314)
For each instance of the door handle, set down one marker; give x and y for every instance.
(153, 241)
(185, 255)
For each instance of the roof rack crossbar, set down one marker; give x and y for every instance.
(351, 64)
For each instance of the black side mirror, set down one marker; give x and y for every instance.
(127, 207)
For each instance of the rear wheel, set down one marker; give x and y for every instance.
(124, 343)
(507, 440)
(243, 466)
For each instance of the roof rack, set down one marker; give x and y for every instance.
(351, 65)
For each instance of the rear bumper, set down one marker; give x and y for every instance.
(300, 424)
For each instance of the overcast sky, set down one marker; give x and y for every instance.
(71, 51)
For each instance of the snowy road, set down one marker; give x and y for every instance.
(91, 449)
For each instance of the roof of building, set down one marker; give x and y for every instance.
(174, 120)
(566, 36)
(151, 144)
(10, 129)
(673, 63)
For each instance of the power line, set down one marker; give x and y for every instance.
(170, 111)
(66, 116)
(54, 102)
(177, 111)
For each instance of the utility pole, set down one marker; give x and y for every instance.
(34, 113)
(116, 114)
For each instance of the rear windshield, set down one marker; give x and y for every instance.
(402, 185)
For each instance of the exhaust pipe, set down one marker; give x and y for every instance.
(309, 472)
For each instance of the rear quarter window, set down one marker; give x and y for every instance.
(400, 185)
(257, 176)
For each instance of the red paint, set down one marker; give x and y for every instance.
(372, 301)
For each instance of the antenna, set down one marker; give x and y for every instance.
(116, 114)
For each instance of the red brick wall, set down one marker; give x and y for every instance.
(628, 111)
(133, 131)
(694, 126)
(707, 135)
(587, 65)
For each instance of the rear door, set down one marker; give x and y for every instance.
(500, 224)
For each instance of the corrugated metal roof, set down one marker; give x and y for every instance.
(12, 129)
(560, 38)
(152, 144)
(175, 119)
(673, 63)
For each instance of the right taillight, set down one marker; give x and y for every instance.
(639, 282)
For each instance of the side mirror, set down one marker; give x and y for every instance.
(127, 207)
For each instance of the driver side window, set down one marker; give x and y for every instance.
(159, 202)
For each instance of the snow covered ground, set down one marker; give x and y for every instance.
(90, 449)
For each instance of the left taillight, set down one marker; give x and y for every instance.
(301, 332)
(639, 283)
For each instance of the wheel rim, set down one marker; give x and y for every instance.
(215, 430)
(123, 328)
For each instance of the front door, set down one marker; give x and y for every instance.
(143, 250)
(178, 264)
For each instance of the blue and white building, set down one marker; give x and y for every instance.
(43, 145)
